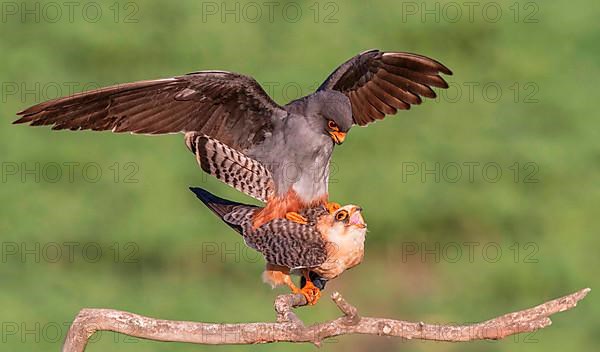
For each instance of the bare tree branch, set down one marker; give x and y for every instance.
(289, 327)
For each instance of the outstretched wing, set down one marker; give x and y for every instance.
(230, 107)
(287, 243)
(381, 83)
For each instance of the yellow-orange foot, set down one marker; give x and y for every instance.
(295, 217)
(310, 292)
(332, 207)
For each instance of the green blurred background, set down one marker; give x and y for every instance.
(461, 248)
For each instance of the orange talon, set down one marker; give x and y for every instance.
(295, 217)
(311, 292)
(332, 207)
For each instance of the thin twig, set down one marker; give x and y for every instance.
(289, 328)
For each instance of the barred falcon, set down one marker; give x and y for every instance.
(319, 250)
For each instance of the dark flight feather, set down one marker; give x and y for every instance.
(380, 83)
(204, 102)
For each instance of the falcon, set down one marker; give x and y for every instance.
(319, 250)
(238, 132)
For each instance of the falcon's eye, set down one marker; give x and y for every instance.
(341, 215)
(332, 126)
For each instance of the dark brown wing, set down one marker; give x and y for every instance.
(229, 107)
(380, 83)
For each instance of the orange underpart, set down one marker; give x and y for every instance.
(276, 275)
(278, 207)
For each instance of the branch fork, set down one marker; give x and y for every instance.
(288, 327)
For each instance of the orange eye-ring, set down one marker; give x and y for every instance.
(332, 125)
(341, 215)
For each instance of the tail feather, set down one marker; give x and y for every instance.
(217, 205)
(230, 166)
(232, 213)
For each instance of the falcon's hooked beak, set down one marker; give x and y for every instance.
(356, 218)
(337, 136)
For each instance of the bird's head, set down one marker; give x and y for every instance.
(331, 112)
(345, 223)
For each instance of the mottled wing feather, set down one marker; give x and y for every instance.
(290, 244)
(240, 219)
(280, 241)
(380, 83)
(230, 107)
(232, 167)
(313, 214)
(241, 215)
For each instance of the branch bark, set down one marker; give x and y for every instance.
(291, 329)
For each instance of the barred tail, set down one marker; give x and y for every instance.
(230, 166)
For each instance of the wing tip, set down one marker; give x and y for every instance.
(438, 65)
(445, 70)
(20, 120)
(443, 84)
(25, 114)
(373, 50)
(441, 67)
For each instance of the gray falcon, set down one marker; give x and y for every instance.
(237, 132)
